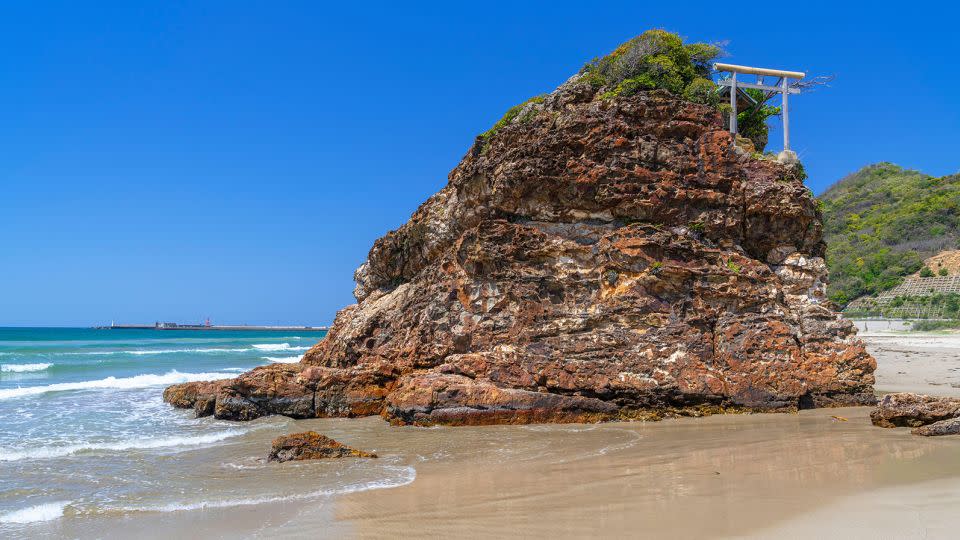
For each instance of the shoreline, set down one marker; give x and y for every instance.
(741, 475)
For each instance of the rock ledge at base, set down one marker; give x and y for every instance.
(311, 445)
(594, 259)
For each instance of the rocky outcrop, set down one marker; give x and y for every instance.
(594, 259)
(943, 427)
(929, 415)
(311, 445)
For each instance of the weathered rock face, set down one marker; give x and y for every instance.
(593, 260)
(929, 415)
(311, 445)
(936, 429)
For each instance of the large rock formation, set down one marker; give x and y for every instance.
(594, 259)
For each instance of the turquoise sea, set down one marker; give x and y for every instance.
(84, 432)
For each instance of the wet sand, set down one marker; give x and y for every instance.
(717, 477)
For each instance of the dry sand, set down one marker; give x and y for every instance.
(922, 363)
(805, 475)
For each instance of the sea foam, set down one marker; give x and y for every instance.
(40, 512)
(282, 359)
(132, 444)
(169, 351)
(277, 347)
(122, 383)
(141, 352)
(23, 368)
(405, 475)
(272, 346)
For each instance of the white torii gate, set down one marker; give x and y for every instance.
(783, 86)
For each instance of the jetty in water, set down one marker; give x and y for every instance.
(208, 326)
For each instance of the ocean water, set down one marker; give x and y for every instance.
(85, 435)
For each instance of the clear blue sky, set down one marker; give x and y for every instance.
(173, 160)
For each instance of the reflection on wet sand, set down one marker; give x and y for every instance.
(710, 477)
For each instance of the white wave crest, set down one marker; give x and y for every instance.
(406, 476)
(140, 352)
(135, 444)
(282, 359)
(169, 351)
(40, 512)
(137, 381)
(23, 368)
(272, 346)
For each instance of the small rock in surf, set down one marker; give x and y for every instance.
(311, 445)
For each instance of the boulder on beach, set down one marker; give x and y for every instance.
(311, 445)
(943, 427)
(930, 415)
(602, 253)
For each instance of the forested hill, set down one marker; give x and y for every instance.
(881, 222)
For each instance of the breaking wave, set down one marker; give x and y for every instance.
(140, 352)
(282, 359)
(277, 347)
(138, 381)
(271, 346)
(406, 475)
(31, 514)
(169, 351)
(23, 368)
(133, 444)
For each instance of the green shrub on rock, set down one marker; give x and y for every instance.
(702, 91)
(654, 59)
(510, 115)
(657, 59)
(752, 123)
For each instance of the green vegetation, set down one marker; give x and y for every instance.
(752, 123)
(734, 266)
(510, 115)
(932, 306)
(702, 91)
(926, 272)
(930, 326)
(660, 59)
(881, 222)
(656, 59)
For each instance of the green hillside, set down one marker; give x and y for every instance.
(881, 222)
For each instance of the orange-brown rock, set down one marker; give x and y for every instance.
(594, 259)
(915, 410)
(311, 445)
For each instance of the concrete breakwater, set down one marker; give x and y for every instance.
(176, 326)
